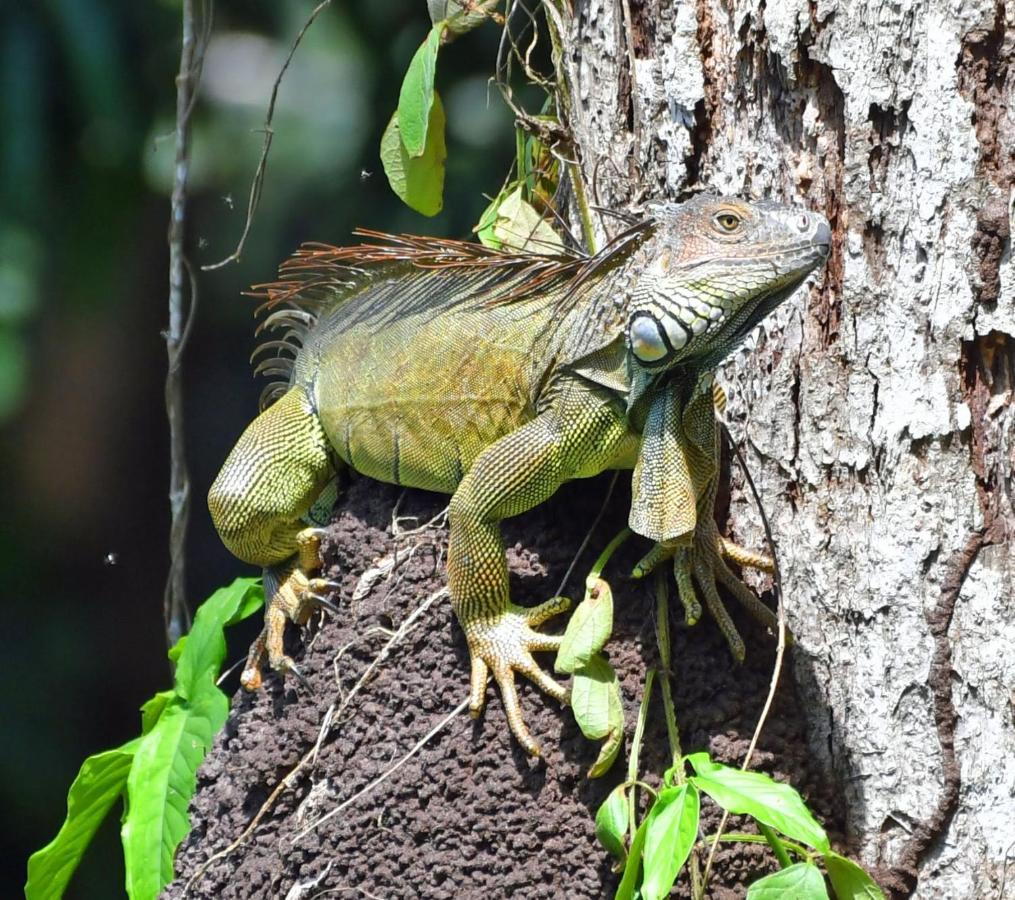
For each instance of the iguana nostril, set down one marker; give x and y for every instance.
(803, 222)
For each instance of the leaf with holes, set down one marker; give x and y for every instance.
(589, 628)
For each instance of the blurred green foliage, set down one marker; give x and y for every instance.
(87, 97)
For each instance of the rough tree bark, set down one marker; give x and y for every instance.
(877, 413)
(877, 416)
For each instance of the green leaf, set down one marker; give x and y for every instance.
(98, 785)
(484, 227)
(589, 628)
(520, 227)
(159, 788)
(672, 831)
(625, 890)
(849, 881)
(757, 795)
(152, 709)
(415, 100)
(201, 655)
(802, 881)
(595, 698)
(418, 181)
(611, 822)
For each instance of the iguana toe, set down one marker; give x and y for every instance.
(504, 646)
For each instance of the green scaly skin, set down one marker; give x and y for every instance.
(497, 377)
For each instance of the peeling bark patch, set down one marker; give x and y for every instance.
(902, 878)
(644, 16)
(983, 68)
(707, 110)
(988, 380)
(832, 106)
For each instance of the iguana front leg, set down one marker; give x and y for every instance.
(675, 486)
(267, 485)
(578, 436)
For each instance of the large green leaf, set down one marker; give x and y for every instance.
(755, 794)
(671, 833)
(589, 628)
(98, 785)
(417, 95)
(418, 181)
(632, 868)
(200, 658)
(159, 788)
(800, 882)
(849, 881)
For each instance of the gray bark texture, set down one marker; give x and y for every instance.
(876, 413)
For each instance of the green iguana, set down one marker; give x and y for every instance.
(495, 377)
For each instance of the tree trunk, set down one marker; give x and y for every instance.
(876, 413)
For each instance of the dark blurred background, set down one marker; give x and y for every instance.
(87, 103)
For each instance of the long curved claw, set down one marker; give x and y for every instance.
(504, 646)
(658, 554)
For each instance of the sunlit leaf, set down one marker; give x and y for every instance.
(632, 868)
(159, 787)
(802, 881)
(418, 181)
(593, 692)
(849, 881)
(611, 822)
(99, 784)
(757, 795)
(589, 628)
(671, 833)
(520, 227)
(415, 100)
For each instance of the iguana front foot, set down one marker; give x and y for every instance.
(701, 562)
(294, 594)
(503, 646)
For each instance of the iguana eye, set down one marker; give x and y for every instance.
(727, 222)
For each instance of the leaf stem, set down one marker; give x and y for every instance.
(639, 733)
(611, 548)
(775, 843)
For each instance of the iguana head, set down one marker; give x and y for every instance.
(713, 268)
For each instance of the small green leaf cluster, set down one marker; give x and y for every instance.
(663, 841)
(595, 691)
(516, 218)
(413, 148)
(154, 774)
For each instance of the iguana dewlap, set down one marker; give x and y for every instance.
(496, 377)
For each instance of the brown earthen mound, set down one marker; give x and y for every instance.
(468, 815)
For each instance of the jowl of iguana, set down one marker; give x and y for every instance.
(496, 377)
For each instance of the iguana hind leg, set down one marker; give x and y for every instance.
(513, 475)
(267, 485)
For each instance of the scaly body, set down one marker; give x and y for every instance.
(497, 377)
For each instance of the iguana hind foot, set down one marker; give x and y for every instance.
(505, 645)
(294, 593)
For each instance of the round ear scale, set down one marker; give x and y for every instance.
(647, 338)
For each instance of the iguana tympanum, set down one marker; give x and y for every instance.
(495, 377)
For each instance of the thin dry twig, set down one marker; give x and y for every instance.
(588, 534)
(258, 183)
(387, 773)
(780, 648)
